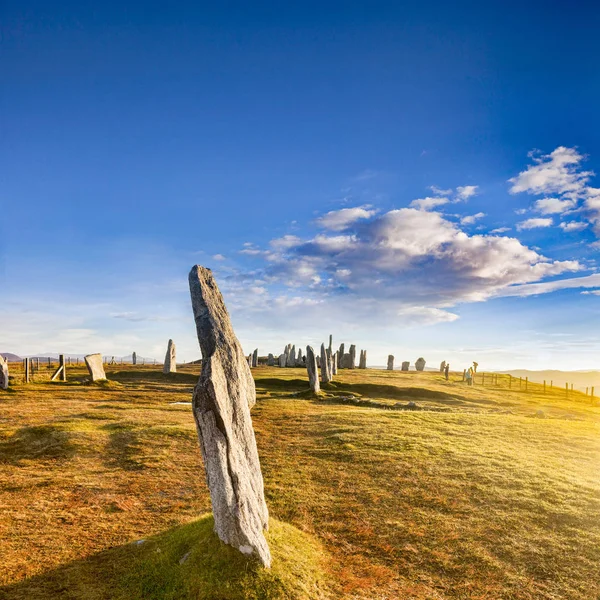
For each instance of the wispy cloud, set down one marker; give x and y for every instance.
(466, 191)
(534, 223)
(471, 219)
(428, 203)
(337, 220)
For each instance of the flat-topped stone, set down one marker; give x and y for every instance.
(390, 362)
(405, 365)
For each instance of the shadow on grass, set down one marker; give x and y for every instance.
(41, 442)
(140, 376)
(186, 562)
(124, 448)
(374, 390)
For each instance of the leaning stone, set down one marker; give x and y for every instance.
(94, 364)
(3, 373)
(405, 365)
(325, 372)
(311, 367)
(420, 364)
(170, 365)
(282, 360)
(390, 363)
(271, 360)
(221, 405)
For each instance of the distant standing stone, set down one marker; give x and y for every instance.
(341, 357)
(442, 366)
(170, 365)
(299, 360)
(334, 364)
(420, 364)
(255, 358)
(292, 357)
(390, 364)
(352, 357)
(221, 405)
(363, 360)
(134, 359)
(271, 360)
(94, 364)
(405, 365)
(325, 371)
(346, 361)
(3, 373)
(282, 361)
(311, 367)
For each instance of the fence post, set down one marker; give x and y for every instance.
(509, 381)
(571, 387)
(551, 384)
(526, 381)
(544, 386)
(26, 369)
(586, 391)
(592, 397)
(567, 389)
(520, 382)
(464, 374)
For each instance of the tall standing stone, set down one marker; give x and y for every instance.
(3, 373)
(271, 360)
(341, 357)
(299, 360)
(330, 343)
(221, 405)
(405, 365)
(94, 364)
(420, 364)
(442, 366)
(363, 360)
(282, 360)
(134, 359)
(346, 361)
(352, 357)
(334, 364)
(311, 367)
(255, 358)
(292, 357)
(170, 365)
(325, 372)
(390, 364)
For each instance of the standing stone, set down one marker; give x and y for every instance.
(420, 364)
(134, 359)
(311, 367)
(405, 365)
(170, 365)
(249, 359)
(221, 405)
(330, 343)
(299, 360)
(282, 360)
(442, 366)
(363, 360)
(346, 361)
(334, 364)
(255, 358)
(352, 357)
(3, 373)
(325, 372)
(271, 360)
(94, 364)
(341, 357)
(390, 364)
(292, 357)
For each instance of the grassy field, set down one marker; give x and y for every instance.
(468, 493)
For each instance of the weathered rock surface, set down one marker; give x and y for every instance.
(170, 365)
(282, 360)
(271, 360)
(341, 357)
(221, 405)
(363, 360)
(390, 363)
(311, 367)
(299, 360)
(255, 358)
(420, 364)
(3, 374)
(334, 364)
(325, 364)
(94, 364)
(292, 357)
(405, 365)
(346, 361)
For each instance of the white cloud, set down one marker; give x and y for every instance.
(591, 292)
(218, 257)
(500, 230)
(428, 203)
(467, 191)
(470, 219)
(555, 173)
(338, 220)
(534, 289)
(439, 191)
(520, 211)
(573, 226)
(534, 223)
(552, 206)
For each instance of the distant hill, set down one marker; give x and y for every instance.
(579, 379)
(10, 357)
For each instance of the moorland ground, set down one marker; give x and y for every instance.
(470, 495)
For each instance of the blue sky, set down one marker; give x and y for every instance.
(412, 179)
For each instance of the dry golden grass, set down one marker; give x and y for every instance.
(470, 496)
